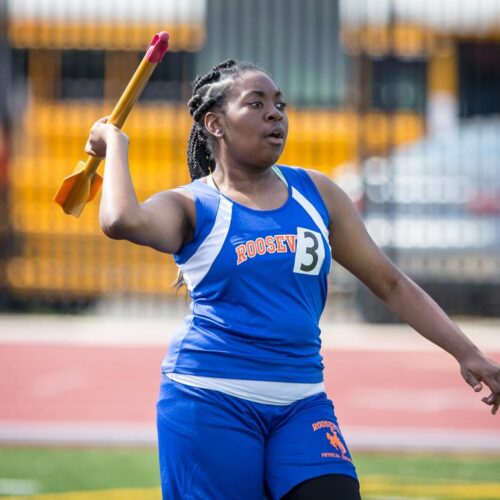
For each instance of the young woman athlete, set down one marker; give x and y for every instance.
(242, 411)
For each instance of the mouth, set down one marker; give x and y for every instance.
(276, 136)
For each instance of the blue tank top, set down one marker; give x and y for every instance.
(258, 284)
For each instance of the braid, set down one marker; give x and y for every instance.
(213, 75)
(228, 63)
(209, 91)
(200, 158)
(194, 103)
(210, 77)
(204, 108)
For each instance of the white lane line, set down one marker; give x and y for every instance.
(421, 439)
(18, 486)
(358, 438)
(86, 433)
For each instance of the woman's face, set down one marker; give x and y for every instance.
(253, 125)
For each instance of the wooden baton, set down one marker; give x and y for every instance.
(83, 184)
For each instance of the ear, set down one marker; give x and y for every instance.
(213, 125)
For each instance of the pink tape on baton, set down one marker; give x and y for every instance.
(157, 47)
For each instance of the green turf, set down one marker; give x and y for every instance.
(423, 467)
(78, 469)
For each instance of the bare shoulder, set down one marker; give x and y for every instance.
(176, 195)
(332, 193)
(177, 199)
(319, 178)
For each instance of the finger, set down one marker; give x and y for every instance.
(471, 379)
(489, 400)
(104, 119)
(492, 400)
(91, 152)
(493, 383)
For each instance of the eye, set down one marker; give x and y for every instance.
(255, 104)
(281, 106)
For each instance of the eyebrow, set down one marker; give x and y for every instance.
(260, 93)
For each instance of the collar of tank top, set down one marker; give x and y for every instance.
(211, 181)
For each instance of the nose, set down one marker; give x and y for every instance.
(274, 114)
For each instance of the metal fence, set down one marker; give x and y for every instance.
(398, 103)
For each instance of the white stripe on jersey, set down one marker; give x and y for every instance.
(258, 391)
(313, 213)
(198, 265)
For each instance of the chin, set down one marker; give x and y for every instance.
(264, 158)
(267, 163)
(276, 158)
(270, 159)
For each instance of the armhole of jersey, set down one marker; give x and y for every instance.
(317, 191)
(203, 224)
(307, 181)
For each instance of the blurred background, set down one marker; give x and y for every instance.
(396, 100)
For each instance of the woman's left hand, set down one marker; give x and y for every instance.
(478, 370)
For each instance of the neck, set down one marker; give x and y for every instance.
(260, 189)
(238, 178)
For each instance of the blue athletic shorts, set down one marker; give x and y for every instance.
(216, 446)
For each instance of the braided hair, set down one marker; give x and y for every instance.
(210, 91)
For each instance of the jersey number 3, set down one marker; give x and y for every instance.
(310, 252)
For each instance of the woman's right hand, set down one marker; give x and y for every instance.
(99, 136)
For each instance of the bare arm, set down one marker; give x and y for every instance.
(354, 249)
(164, 221)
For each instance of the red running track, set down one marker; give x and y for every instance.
(382, 398)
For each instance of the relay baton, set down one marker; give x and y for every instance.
(81, 187)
